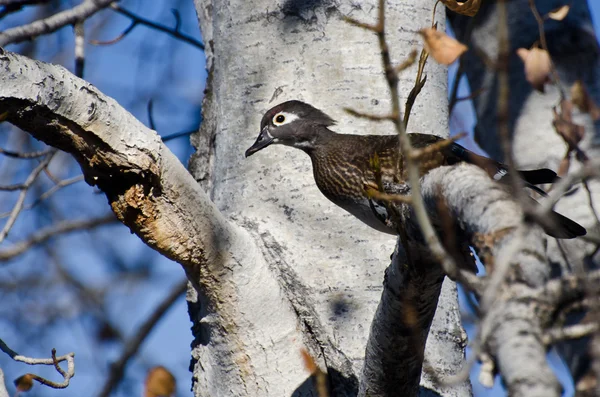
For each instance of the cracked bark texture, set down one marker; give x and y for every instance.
(574, 50)
(326, 268)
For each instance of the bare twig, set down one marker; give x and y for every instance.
(137, 20)
(408, 62)
(371, 117)
(11, 6)
(150, 109)
(177, 135)
(410, 164)
(20, 155)
(576, 331)
(79, 48)
(19, 204)
(21, 3)
(53, 231)
(12, 188)
(120, 37)
(117, 369)
(50, 192)
(394, 198)
(472, 95)
(435, 147)
(420, 81)
(588, 169)
(54, 361)
(540, 21)
(53, 23)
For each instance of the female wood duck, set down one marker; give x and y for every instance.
(343, 163)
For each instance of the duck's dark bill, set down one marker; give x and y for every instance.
(264, 139)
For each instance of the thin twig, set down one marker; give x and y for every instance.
(52, 23)
(54, 361)
(53, 231)
(576, 331)
(50, 192)
(79, 48)
(117, 369)
(137, 20)
(371, 117)
(21, 155)
(420, 81)
(472, 95)
(436, 147)
(393, 198)
(540, 21)
(177, 135)
(19, 204)
(11, 6)
(12, 188)
(412, 57)
(150, 108)
(588, 169)
(20, 3)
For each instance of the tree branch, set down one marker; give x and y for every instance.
(53, 23)
(24, 188)
(148, 188)
(67, 375)
(136, 19)
(53, 231)
(394, 353)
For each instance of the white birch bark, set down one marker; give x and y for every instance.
(324, 265)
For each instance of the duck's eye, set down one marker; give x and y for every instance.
(279, 119)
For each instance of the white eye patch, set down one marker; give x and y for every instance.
(282, 118)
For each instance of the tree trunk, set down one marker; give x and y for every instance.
(313, 278)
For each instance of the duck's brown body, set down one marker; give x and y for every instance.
(344, 164)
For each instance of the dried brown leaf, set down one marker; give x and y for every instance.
(313, 368)
(443, 48)
(572, 133)
(579, 96)
(469, 7)
(558, 14)
(309, 362)
(587, 385)
(24, 383)
(537, 66)
(584, 102)
(566, 110)
(159, 383)
(564, 166)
